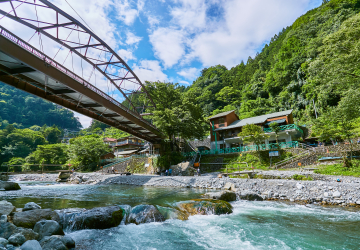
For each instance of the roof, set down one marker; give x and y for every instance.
(255, 120)
(110, 139)
(127, 152)
(222, 114)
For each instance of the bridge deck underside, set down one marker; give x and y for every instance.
(26, 71)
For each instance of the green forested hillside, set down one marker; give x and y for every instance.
(27, 110)
(317, 58)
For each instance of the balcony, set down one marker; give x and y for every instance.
(130, 142)
(284, 128)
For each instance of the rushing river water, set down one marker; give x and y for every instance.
(253, 225)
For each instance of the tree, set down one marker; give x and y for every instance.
(85, 151)
(276, 129)
(341, 121)
(51, 153)
(52, 134)
(253, 134)
(176, 113)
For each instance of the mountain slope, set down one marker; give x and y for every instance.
(314, 59)
(22, 108)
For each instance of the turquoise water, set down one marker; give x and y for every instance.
(253, 225)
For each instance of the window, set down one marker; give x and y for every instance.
(221, 122)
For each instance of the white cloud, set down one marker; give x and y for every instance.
(126, 13)
(168, 45)
(190, 15)
(131, 38)
(184, 82)
(189, 73)
(149, 70)
(221, 32)
(126, 55)
(153, 20)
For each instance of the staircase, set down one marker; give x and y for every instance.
(120, 165)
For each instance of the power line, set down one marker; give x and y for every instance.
(79, 16)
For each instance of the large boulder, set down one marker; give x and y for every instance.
(145, 214)
(31, 206)
(48, 228)
(29, 218)
(31, 245)
(206, 207)
(17, 239)
(57, 242)
(28, 233)
(8, 185)
(183, 169)
(96, 218)
(223, 195)
(7, 229)
(250, 196)
(3, 242)
(6, 208)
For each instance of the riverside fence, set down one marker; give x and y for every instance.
(270, 146)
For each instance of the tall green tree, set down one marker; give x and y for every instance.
(176, 114)
(84, 152)
(251, 133)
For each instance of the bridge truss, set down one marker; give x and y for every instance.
(32, 69)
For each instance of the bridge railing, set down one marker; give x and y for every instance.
(7, 34)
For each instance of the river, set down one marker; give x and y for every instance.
(252, 225)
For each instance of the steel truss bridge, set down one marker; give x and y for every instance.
(30, 69)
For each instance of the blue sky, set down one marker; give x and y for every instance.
(173, 40)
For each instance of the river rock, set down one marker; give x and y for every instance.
(31, 206)
(250, 196)
(29, 218)
(3, 218)
(223, 195)
(53, 242)
(6, 208)
(28, 233)
(96, 218)
(17, 239)
(336, 194)
(57, 242)
(68, 242)
(3, 242)
(206, 207)
(48, 228)
(145, 214)
(183, 169)
(8, 185)
(7, 229)
(230, 186)
(31, 245)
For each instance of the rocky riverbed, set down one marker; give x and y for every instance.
(321, 192)
(274, 185)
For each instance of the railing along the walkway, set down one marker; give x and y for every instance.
(270, 146)
(285, 127)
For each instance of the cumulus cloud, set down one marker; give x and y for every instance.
(189, 73)
(221, 32)
(126, 12)
(126, 55)
(131, 38)
(168, 45)
(149, 70)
